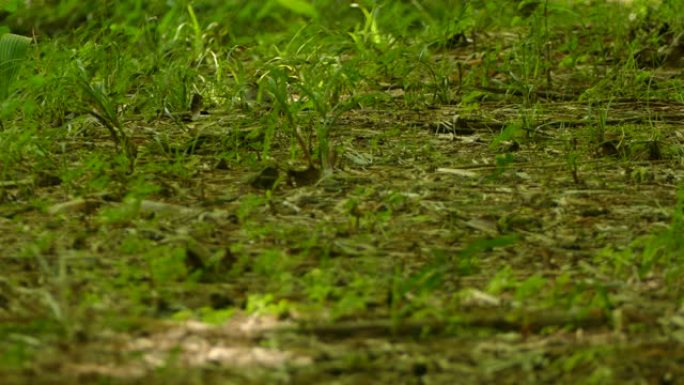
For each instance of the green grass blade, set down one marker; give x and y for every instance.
(98, 98)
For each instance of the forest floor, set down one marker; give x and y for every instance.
(504, 235)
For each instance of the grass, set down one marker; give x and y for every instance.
(405, 192)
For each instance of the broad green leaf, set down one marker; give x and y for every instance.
(301, 7)
(13, 50)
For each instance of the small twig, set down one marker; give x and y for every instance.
(529, 323)
(304, 147)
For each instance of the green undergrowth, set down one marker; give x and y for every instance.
(139, 141)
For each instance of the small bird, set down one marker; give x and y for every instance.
(196, 104)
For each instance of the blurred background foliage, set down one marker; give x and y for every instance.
(238, 19)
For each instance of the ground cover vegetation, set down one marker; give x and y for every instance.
(290, 191)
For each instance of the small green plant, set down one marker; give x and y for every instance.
(322, 88)
(266, 304)
(104, 110)
(369, 36)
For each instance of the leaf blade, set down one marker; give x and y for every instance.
(13, 50)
